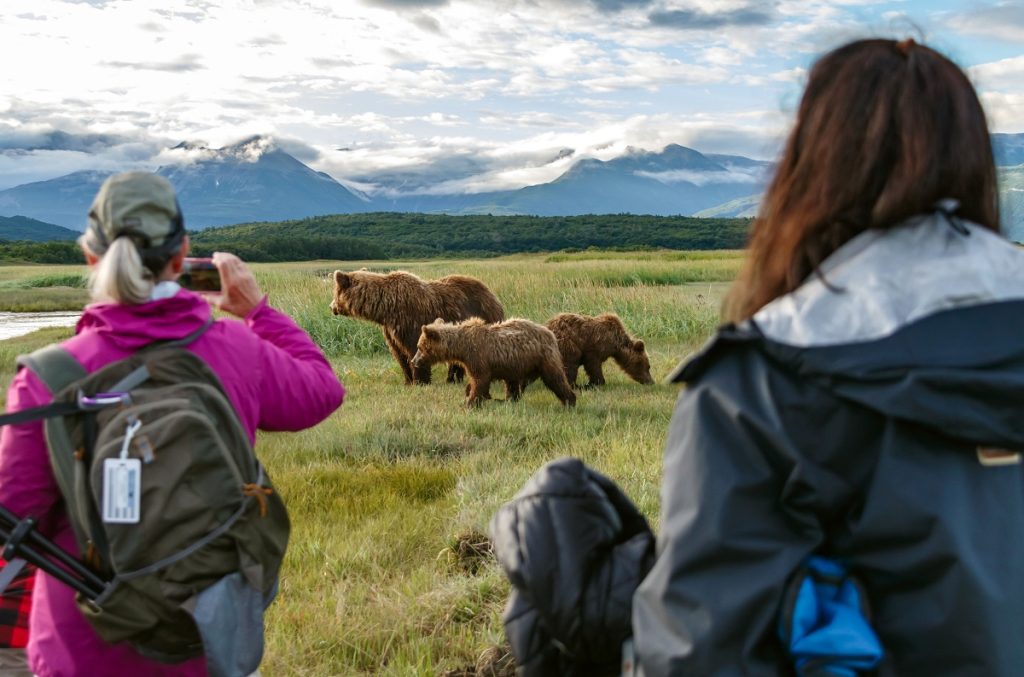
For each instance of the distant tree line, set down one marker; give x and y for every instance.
(54, 251)
(392, 235)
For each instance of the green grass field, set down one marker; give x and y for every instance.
(42, 288)
(385, 494)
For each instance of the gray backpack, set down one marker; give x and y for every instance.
(168, 502)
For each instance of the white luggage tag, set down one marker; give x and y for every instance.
(122, 482)
(994, 457)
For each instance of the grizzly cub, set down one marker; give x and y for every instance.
(514, 351)
(589, 341)
(402, 303)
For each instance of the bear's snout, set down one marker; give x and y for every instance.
(416, 360)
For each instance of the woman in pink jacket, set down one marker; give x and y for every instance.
(274, 375)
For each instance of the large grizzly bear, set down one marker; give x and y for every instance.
(515, 351)
(589, 341)
(402, 303)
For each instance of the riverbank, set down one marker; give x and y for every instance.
(18, 324)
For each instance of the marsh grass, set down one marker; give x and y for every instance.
(42, 288)
(383, 492)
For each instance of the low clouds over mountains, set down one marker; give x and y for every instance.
(256, 180)
(259, 180)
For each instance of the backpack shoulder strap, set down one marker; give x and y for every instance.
(54, 366)
(58, 369)
(186, 340)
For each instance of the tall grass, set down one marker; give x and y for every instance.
(42, 288)
(379, 491)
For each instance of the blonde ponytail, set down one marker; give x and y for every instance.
(119, 275)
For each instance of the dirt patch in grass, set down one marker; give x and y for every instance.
(496, 661)
(468, 553)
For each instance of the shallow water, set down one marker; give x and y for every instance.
(16, 324)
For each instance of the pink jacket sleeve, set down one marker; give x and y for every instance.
(27, 485)
(298, 388)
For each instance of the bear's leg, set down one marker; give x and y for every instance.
(479, 389)
(421, 374)
(397, 351)
(554, 378)
(592, 365)
(513, 390)
(572, 370)
(469, 388)
(455, 373)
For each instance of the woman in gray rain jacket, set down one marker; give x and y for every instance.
(866, 402)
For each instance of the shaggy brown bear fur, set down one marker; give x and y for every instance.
(589, 341)
(514, 351)
(402, 303)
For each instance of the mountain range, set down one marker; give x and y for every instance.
(13, 228)
(675, 181)
(255, 180)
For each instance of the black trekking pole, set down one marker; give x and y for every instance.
(22, 541)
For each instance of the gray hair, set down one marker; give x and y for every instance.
(119, 276)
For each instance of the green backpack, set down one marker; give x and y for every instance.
(189, 536)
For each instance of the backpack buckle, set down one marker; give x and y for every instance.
(102, 400)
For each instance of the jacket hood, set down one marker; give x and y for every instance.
(130, 327)
(923, 323)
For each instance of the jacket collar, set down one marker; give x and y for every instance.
(881, 281)
(132, 326)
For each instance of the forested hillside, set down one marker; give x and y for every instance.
(401, 235)
(56, 251)
(13, 228)
(354, 237)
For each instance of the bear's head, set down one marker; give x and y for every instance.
(377, 297)
(633, 360)
(342, 284)
(430, 347)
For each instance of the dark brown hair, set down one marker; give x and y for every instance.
(884, 130)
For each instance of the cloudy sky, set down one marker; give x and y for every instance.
(445, 95)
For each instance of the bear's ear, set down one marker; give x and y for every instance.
(439, 320)
(343, 280)
(638, 346)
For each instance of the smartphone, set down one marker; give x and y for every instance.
(200, 275)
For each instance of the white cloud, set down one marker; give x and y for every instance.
(526, 119)
(1001, 89)
(1001, 20)
(735, 175)
(1005, 111)
(725, 56)
(1002, 73)
(446, 95)
(794, 76)
(429, 168)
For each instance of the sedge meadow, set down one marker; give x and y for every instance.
(386, 571)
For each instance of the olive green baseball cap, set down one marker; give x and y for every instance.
(141, 205)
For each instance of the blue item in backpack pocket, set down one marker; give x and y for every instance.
(823, 623)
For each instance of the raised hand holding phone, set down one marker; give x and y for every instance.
(239, 291)
(200, 275)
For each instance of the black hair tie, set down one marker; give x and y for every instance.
(948, 207)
